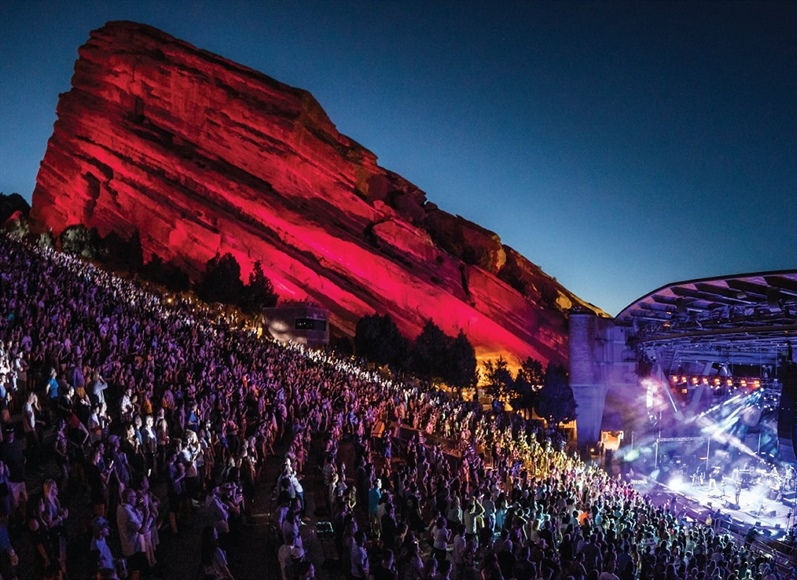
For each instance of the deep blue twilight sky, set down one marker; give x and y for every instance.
(620, 146)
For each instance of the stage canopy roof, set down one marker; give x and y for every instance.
(749, 317)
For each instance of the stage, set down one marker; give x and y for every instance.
(758, 505)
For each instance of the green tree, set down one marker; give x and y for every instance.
(221, 281)
(45, 240)
(461, 363)
(367, 337)
(165, 274)
(533, 373)
(119, 252)
(378, 339)
(16, 225)
(80, 241)
(499, 377)
(429, 352)
(555, 401)
(259, 293)
(342, 346)
(529, 380)
(396, 348)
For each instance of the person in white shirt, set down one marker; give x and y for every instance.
(30, 423)
(288, 556)
(218, 511)
(441, 538)
(133, 523)
(297, 487)
(472, 514)
(489, 510)
(97, 392)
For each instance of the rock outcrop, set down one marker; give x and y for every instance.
(202, 155)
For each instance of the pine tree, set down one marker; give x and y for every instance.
(499, 377)
(461, 368)
(528, 381)
(378, 339)
(221, 281)
(430, 352)
(555, 401)
(259, 293)
(81, 241)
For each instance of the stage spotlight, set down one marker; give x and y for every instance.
(632, 455)
(676, 483)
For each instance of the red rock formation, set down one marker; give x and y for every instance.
(202, 155)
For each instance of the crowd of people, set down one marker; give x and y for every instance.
(124, 388)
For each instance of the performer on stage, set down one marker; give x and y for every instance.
(699, 477)
(712, 480)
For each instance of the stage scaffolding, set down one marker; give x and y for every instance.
(660, 440)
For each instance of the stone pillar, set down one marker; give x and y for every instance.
(586, 378)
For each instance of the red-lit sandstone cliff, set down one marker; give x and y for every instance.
(202, 155)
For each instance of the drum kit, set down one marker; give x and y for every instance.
(746, 478)
(776, 482)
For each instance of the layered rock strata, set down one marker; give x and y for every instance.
(205, 156)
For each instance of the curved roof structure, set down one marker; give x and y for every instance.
(751, 317)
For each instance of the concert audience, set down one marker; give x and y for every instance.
(142, 387)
